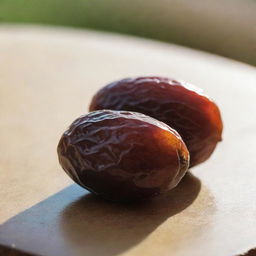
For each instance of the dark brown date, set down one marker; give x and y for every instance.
(123, 155)
(196, 118)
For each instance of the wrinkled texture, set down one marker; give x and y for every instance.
(181, 106)
(123, 155)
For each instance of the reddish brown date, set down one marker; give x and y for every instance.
(196, 118)
(123, 155)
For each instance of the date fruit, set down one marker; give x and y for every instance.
(181, 106)
(122, 155)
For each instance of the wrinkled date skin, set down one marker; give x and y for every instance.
(123, 155)
(181, 106)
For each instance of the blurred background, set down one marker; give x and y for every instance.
(227, 28)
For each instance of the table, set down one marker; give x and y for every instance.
(48, 76)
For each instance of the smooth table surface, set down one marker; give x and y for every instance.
(47, 78)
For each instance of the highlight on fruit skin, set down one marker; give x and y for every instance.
(181, 106)
(122, 155)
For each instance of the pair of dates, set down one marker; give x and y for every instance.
(140, 138)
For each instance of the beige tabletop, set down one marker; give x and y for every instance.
(47, 77)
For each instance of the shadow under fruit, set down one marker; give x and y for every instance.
(101, 228)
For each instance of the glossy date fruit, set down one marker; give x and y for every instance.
(122, 155)
(181, 106)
